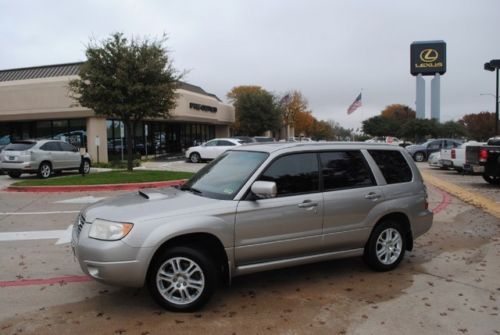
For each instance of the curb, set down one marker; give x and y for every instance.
(470, 197)
(102, 187)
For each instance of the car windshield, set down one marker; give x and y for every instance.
(224, 177)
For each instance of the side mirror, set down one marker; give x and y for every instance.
(264, 189)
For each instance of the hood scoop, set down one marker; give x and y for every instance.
(152, 194)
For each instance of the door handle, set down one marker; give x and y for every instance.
(307, 204)
(373, 196)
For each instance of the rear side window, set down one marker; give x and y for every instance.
(294, 174)
(50, 146)
(345, 169)
(67, 147)
(19, 146)
(393, 166)
(222, 143)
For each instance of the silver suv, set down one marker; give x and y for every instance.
(42, 157)
(256, 208)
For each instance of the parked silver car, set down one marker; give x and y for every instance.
(256, 208)
(42, 157)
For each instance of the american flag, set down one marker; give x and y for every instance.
(355, 105)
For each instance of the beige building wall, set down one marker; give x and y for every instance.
(49, 99)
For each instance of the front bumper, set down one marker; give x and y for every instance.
(110, 262)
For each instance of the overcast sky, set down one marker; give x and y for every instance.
(329, 50)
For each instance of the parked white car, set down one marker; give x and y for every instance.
(435, 159)
(385, 139)
(211, 149)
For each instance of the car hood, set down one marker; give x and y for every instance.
(149, 204)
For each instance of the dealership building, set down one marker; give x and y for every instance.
(35, 103)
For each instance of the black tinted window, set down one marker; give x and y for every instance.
(51, 146)
(393, 166)
(221, 143)
(19, 146)
(67, 147)
(345, 169)
(294, 174)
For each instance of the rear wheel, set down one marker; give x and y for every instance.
(386, 247)
(493, 180)
(182, 279)
(14, 174)
(44, 170)
(419, 156)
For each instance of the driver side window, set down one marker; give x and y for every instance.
(294, 174)
(211, 144)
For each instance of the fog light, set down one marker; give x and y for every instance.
(93, 271)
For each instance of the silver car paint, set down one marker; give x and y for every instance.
(29, 160)
(255, 234)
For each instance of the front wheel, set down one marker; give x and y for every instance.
(195, 157)
(493, 180)
(182, 279)
(85, 168)
(386, 247)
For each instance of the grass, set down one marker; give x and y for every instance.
(113, 177)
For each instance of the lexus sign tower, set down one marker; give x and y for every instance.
(428, 58)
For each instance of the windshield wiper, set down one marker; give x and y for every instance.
(192, 189)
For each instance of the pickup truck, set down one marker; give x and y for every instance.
(486, 157)
(454, 158)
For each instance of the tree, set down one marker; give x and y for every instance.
(418, 129)
(381, 126)
(233, 97)
(292, 103)
(399, 112)
(128, 79)
(480, 126)
(258, 112)
(452, 129)
(303, 123)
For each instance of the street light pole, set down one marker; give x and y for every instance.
(494, 65)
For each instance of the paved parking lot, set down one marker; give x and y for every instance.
(447, 285)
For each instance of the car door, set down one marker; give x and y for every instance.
(72, 157)
(350, 195)
(288, 225)
(434, 146)
(208, 150)
(54, 154)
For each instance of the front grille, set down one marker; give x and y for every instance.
(80, 223)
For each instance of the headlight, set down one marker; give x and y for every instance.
(109, 230)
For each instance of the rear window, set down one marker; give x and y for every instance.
(393, 166)
(19, 146)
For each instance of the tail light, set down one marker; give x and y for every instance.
(483, 155)
(453, 154)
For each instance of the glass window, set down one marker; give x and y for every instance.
(43, 129)
(19, 146)
(60, 129)
(223, 143)
(224, 177)
(211, 143)
(345, 169)
(294, 174)
(434, 145)
(67, 147)
(393, 166)
(51, 146)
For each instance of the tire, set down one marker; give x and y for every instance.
(44, 170)
(195, 157)
(170, 290)
(85, 168)
(14, 174)
(493, 180)
(389, 237)
(419, 156)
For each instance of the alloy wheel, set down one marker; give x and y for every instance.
(389, 246)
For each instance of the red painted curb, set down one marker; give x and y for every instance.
(445, 201)
(48, 281)
(103, 187)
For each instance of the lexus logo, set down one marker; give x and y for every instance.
(429, 55)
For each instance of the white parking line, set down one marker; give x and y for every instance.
(38, 213)
(62, 236)
(81, 200)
